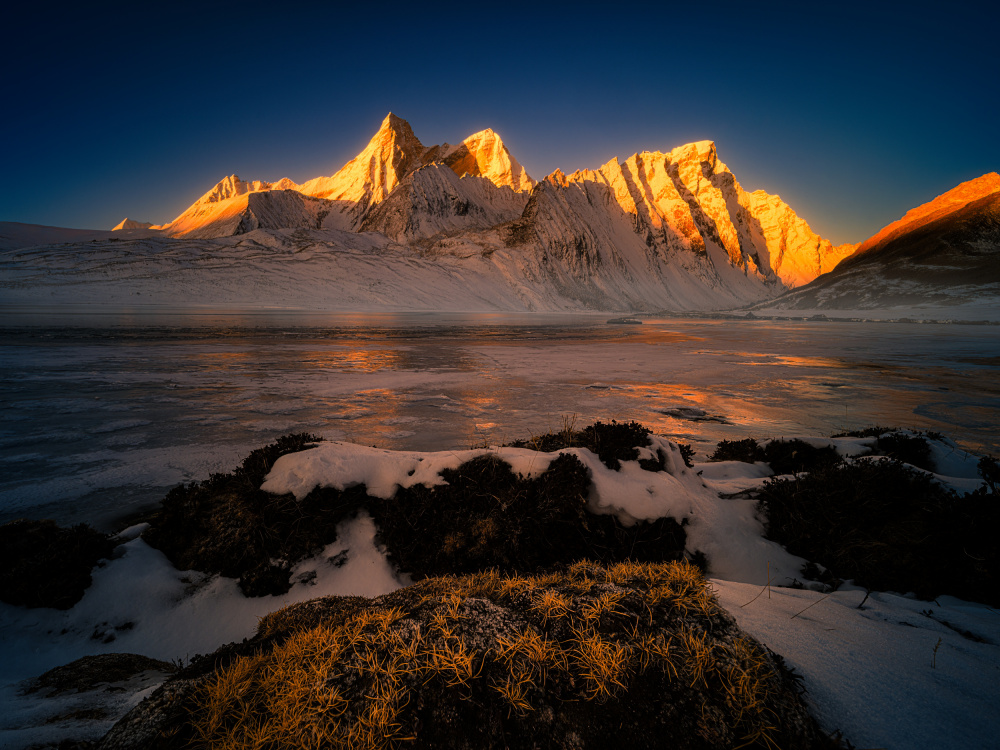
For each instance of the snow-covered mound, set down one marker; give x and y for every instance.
(725, 531)
(934, 653)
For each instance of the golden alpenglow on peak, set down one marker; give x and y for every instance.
(220, 204)
(128, 223)
(953, 200)
(679, 209)
(484, 154)
(687, 200)
(392, 153)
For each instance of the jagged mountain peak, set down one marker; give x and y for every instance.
(395, 133)
(683, 203)
(391, 154)
(558, 177)
(700, 150)
(128, 223)
(230, 187)
(687, 200)
(484, 154)
(395, 123)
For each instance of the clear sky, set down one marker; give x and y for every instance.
(853, 112)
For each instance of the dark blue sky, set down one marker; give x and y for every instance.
(852, 112)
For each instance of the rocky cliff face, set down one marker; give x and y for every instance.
(795, 253)
(257, 209)
(483, 154)
(433, 200)
(656, 230)
(687, 199)
(210, 215)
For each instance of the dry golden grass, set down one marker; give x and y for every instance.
(532, 654)
(349, 682)
(602, 664)
(551, 605)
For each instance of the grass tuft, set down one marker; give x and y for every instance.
(632, 652)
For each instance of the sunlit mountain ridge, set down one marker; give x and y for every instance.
(405, 226)
(944, 253)
(683, 201)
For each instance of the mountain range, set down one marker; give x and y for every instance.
(465, 227)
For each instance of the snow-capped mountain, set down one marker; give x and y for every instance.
(127, 224)
(944, 253)
(467, 224)
(236, 207)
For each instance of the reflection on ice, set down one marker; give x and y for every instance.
(99, 422)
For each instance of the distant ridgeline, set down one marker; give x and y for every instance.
(456, 226)
(464, 227)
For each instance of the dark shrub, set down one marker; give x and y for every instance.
(613, 442)
(43, 565)
(888, 527)
(745, 450)
(228, 525)
(910, 449)
(687, 453)
(796, 456)
(989, 470)
(893, 442)
(867, 432)
(485, 516)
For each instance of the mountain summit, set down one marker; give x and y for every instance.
(392, 153)
(483, 154)
(681, 203)
(463, 226)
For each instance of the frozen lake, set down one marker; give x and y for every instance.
(99, 418)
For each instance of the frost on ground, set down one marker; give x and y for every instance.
(895, 673)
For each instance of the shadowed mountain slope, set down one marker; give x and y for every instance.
(945, 252)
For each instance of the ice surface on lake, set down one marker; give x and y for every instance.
(98, 419)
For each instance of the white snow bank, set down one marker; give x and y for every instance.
(952, 461)
(730, 477)
(342, 465)
(139, 603)
(891, 675)
(727, 531)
